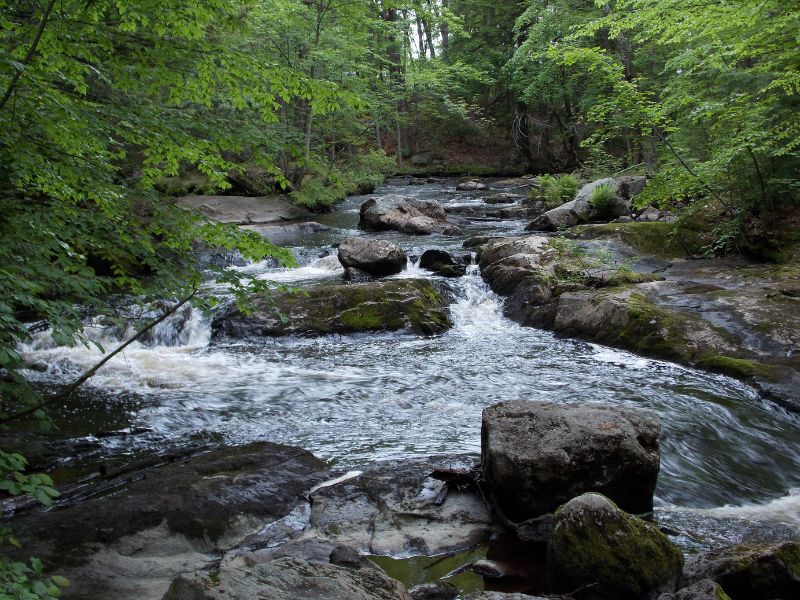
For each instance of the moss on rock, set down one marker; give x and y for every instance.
(740, 368)
(597, 547)
(667, 240)
(416, 304)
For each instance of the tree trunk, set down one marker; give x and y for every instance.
(444, 29)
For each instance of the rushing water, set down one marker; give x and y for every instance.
(360, 398)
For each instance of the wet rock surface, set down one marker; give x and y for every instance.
(441, 263)
(604, 553)
(537, 455)
(415, 304)
(140, 529)
(288, 579)
(471, 186)
(406, 215)
(394, 508)
(376, 257)
(722, 315)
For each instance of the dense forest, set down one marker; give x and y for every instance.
(110, 109)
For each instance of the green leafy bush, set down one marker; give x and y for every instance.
(558, 189)
(602, 198)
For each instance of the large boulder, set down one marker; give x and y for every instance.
(605, 553)
(745, 572)
(416, 304)
(288, 579)
(406, 215)
(376, 257)
(537, 455)
(441, 263)
(579, 210)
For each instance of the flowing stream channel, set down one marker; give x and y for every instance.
(364, 398)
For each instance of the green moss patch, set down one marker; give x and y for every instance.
(667, 240)
(739, 368)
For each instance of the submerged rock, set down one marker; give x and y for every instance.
(416, 304)
(604, 553)
(287, 579)
(376, 257)
(441, 263)
(537, 455)
(744, 572)
(407, 215)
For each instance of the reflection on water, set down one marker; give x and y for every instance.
(361, 398)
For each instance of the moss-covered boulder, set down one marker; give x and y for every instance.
(415, 304)
(605, 553)
(749, 572)
(537, 455)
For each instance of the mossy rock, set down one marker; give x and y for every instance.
(745, 572)
(665, 240)
(739, 368)
(415, 304)
(605, 553)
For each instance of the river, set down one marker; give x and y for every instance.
(365, 398)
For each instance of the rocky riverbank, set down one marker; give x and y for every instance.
(272, 521)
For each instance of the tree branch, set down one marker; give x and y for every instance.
(83, 378)
(28, 57)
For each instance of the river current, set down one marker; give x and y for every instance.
(364, 398)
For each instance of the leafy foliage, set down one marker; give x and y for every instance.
(602, 198)
(558, 189)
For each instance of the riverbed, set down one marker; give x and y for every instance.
(355, 400)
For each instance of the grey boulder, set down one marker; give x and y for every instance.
(579, 210)
(406, 215)
(376, 257)
(537, 455)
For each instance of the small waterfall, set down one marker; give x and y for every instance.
(319, 268)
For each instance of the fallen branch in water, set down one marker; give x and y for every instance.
(64, 393)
